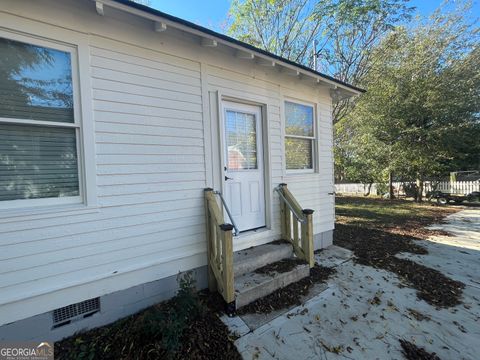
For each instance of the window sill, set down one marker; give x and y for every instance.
(7, 215)
(299, 172)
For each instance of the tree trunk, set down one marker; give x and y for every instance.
(390, 185)
(369, 189)
(419, 190)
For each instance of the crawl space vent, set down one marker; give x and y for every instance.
(67, 314)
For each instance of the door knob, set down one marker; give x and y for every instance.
(228, 178)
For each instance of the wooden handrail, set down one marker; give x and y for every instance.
(297, 230)
(219, 250)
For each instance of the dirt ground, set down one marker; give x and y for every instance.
(367, 310)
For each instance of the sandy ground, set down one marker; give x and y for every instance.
(364, 312)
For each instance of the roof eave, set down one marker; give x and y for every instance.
(162, 21)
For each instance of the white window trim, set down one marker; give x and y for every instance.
(79, 56)
(313, 138)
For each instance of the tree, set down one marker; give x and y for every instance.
(283, 27)
(421, 112)
(346, 31)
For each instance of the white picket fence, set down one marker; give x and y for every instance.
(355, 189)
(455, 187)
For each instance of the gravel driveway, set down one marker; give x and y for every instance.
(364, 312)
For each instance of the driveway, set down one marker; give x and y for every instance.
(364, 312)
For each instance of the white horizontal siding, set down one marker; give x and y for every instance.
(152, 121)
(182, 113)
(89, 274)
(151, 164)
(155, 234)
(150, 176)
(138, 80)
(314, 191)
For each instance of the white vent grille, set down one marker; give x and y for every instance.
(82, 309)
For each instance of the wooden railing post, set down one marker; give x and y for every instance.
(212, 282)
(291, 215)
(283, 215)
(219, 251)
(227, 262)
(307, 237)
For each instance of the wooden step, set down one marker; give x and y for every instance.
(248, 260)
(254, 285)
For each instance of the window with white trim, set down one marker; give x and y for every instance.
(39, 127)
(299, 137)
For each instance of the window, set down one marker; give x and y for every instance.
(299, 136)
(241, 139)
(38, 128)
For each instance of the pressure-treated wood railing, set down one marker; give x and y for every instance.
(220, 250)
(297, 225)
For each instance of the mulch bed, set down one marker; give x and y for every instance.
(413, 352)
(185, 327)
(290, 295)
(208, 338)
(281, 266)
(377, 248)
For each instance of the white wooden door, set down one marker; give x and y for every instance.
(244, 186)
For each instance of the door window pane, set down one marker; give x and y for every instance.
(241, 138)
(35, 82)
(298, 119)
(298, 153)
(37, 162)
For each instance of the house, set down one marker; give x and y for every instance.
(114, 119)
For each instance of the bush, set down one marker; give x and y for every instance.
(410, 189)
(169, 324)
(382, 188)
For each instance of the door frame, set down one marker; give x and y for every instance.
(265, 145)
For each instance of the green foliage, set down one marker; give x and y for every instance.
(168, 325)
(284, 27)
(351, 31)
(345, 32)
(420, 115)
(382, 188)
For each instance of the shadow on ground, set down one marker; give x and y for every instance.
(377, 248)
(367, 309)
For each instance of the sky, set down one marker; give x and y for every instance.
(213, 13)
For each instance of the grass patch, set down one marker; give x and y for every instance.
(387, 214)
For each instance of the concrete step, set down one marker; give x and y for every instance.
(254, 285)
(248, 260)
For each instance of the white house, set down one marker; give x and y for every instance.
(114, 118)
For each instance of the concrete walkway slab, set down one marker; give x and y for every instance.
(333, 256)
(345, 322)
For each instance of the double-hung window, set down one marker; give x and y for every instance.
(299, 137)
(39, 126)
